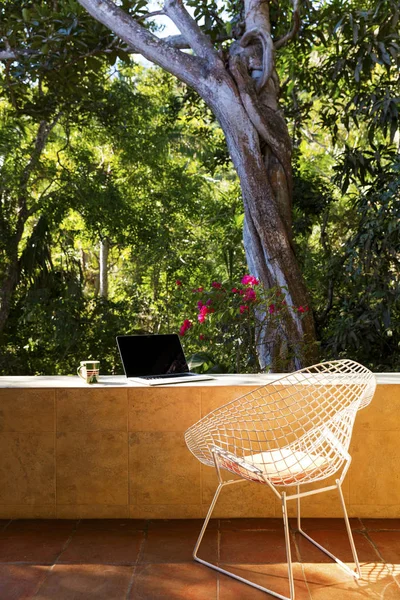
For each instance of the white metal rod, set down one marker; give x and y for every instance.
(349, 532)
(243, 580)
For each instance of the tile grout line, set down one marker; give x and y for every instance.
(375, 547)
(131, 581)
(55, 452)
(128, 491)
(55, 562)
(6, 525)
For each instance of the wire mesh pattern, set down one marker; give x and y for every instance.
(294, 430)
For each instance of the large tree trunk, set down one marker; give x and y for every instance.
(266, 190)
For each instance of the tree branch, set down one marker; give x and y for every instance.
(149, 15)
(295, 28)
(14, 54)
(268, 53)
(179, 41)
(199, 41)
(187, 68)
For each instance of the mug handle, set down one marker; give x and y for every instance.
(79, 372)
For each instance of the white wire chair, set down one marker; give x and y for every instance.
(291, 432)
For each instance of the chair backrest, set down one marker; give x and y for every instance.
(309, 411)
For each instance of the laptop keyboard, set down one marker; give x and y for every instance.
(169, 376)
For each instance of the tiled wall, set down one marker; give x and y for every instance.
(119, 452)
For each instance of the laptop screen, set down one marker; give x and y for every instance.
(151, 355)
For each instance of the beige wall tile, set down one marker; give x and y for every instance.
(27, 511)
(163, 409)
(383, 414)
(214, 397)
(167, 511)
(27, 474)
(92, 410)
(92, 468)
(374, 511)
(27, 410)
(162, 470)
(245, 499)
(374, 475)
(91, 511)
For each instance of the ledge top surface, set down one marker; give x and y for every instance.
(118, 381)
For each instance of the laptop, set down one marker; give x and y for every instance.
(155, 359)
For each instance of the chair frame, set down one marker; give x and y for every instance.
(219, 455)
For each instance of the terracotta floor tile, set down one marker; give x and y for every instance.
(253, 547)
(20, 582)
(177, 546)
(182, 525)
(330, 582)
(388, 544)
(86, 582)
(113, 524)
(325, 524)
(380, 524)
(251, 524)
(35, 541)
(185, 581)
(337, 542)
(112, 546)
(274, 577)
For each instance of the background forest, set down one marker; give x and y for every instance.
(118, 198)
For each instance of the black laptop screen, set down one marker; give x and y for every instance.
(151, 355)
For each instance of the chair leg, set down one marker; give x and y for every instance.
(287, 541)
(233, 575)
(357, 572)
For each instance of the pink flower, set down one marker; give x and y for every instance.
(178, 282)
(217, 285)
(201, 336)
(235, 291)
(250, 295)
(271, 309)
(249, 280)
(204, 310)
(185, 326)
(200, 304)
(200, 289)
(301, 309)
(243, 308)
(208, 302)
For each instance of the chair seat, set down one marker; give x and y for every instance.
(287, 466)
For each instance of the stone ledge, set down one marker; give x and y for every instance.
(118, 381)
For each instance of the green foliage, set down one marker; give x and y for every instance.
(136, 158)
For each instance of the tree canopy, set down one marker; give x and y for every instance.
(94, 148)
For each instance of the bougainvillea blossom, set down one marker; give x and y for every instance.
(250, 280)
(185, 326)
(250, 295)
